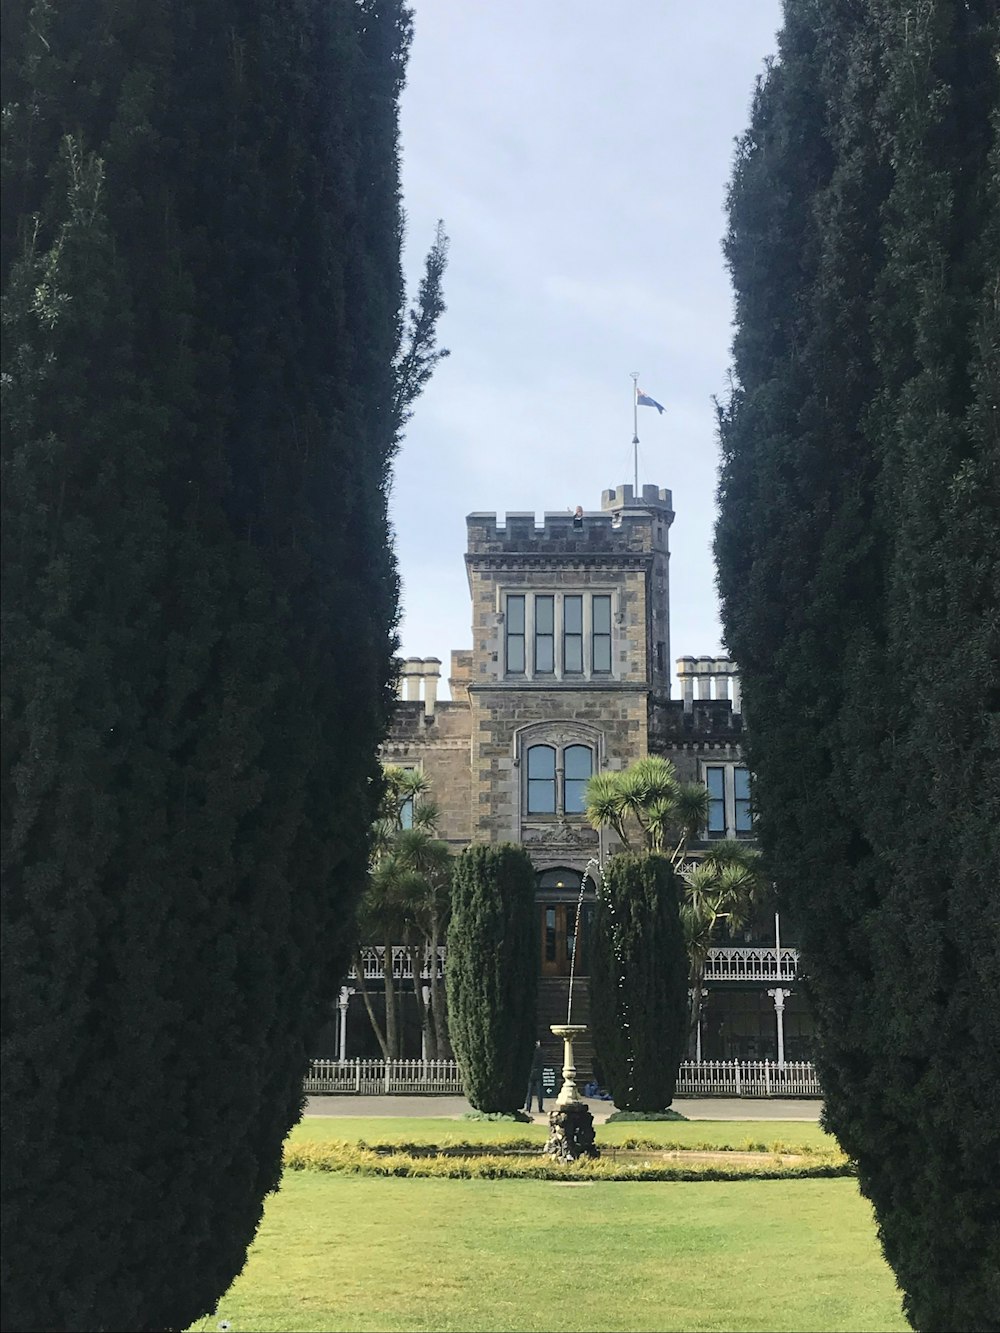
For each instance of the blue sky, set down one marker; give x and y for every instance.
(578, 152)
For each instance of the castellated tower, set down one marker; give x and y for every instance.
(570, 640)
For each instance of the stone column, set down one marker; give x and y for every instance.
(342, 1002)
(778, 994)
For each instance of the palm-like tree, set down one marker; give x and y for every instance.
(406, 900)
(648, 802)
(720, 890)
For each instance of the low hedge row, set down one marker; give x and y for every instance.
(528, 1147)
(357, 1159)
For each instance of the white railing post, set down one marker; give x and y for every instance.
(739, 1091)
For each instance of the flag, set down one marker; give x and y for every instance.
(644, 400)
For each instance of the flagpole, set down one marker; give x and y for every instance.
(635, 429)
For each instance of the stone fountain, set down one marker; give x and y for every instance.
(571, 1125)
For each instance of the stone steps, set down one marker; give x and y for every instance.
(552, 995)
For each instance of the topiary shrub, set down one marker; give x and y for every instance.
(491, 974)
(638, 982)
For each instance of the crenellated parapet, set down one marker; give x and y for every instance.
(625, 525)
(706, 721)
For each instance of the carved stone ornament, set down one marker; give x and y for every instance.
(558, 834)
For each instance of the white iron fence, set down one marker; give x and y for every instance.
(747, 1078)
(705, 1078)
(382, 1077)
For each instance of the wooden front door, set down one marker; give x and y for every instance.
(558, 938)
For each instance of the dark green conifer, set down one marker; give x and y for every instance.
(202, 329)
(859, 570)
(638, 982)
(491, 973)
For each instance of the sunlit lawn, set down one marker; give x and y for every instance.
(376, 1253)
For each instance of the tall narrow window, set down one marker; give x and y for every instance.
(578, 764)
(515, 634)
(715, 781)
(406, 813)
(601, 635)
(741, 791)
(545, 636)
(541, 780)
(572, 636)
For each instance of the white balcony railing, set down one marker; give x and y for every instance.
(722, 964)
(705, 1078)
(752, 965)
(372, 956)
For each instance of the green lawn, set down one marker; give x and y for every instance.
(424, 1129)
(366, 1253)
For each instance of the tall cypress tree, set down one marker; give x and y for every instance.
(491, 973)
(202, 311)
(860, 579)
(638, 982)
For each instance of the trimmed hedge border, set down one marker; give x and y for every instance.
(469, 1162)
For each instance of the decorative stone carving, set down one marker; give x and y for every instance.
(557, 834)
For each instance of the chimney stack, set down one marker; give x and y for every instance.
(432, 674)
(413, 670)
(685, 674)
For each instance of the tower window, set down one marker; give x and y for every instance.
(545, 637)
(578, 765)
(556, 634)
(541, 780)
(601, 635)
(515, 634)
(573, 635)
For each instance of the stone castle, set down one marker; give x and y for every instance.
(569, 675)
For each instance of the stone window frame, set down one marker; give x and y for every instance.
(527, 638)
(559, 735)
(731, 802)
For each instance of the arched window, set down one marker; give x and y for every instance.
(578, 765)
(541, 780)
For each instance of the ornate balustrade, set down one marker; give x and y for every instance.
(372, 956)
(722, 964)
(752, 965)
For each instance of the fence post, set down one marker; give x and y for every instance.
(388, 1067)
(739, 1091)
(767, 1078)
